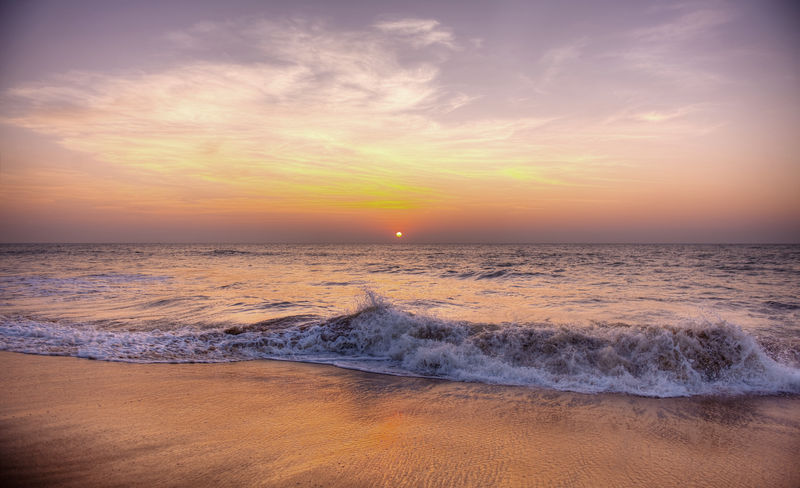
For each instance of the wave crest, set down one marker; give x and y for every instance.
(699, 358)
(662, 361)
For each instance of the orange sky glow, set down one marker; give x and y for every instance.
(637, 122)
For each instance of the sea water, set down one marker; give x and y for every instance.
(654, 320)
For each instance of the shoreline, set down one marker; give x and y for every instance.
(77, 422)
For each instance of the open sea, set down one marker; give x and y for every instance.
(651, 320)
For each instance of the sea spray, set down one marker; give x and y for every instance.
(692, 358)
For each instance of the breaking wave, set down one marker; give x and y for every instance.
(662, 361)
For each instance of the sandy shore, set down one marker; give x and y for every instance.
(75, 422)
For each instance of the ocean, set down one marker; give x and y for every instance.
(649, 320)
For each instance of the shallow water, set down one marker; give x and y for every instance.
(655, 320)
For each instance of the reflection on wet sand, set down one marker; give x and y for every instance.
(75, 422)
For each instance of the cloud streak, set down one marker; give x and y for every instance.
(318, 109)
(419, 32)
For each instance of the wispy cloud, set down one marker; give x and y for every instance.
(554, 62)
(662, 116)
(692, 22)
(276, 111)
(313, 108)
(420, 32)
(665, 49)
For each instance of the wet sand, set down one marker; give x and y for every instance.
(76, 422)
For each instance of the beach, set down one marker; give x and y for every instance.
(76, 422)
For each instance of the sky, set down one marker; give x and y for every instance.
(451, 121)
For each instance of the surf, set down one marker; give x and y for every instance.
(693, 358)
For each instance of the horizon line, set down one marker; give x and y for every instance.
(366, 243)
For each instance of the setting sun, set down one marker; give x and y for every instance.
(399, 234)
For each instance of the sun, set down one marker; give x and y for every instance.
(399, 234)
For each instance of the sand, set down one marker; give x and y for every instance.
(76, 422)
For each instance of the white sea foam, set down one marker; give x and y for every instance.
(679, 360)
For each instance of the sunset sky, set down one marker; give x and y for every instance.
(451, 121)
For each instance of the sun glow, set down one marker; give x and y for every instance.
(399, 234)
